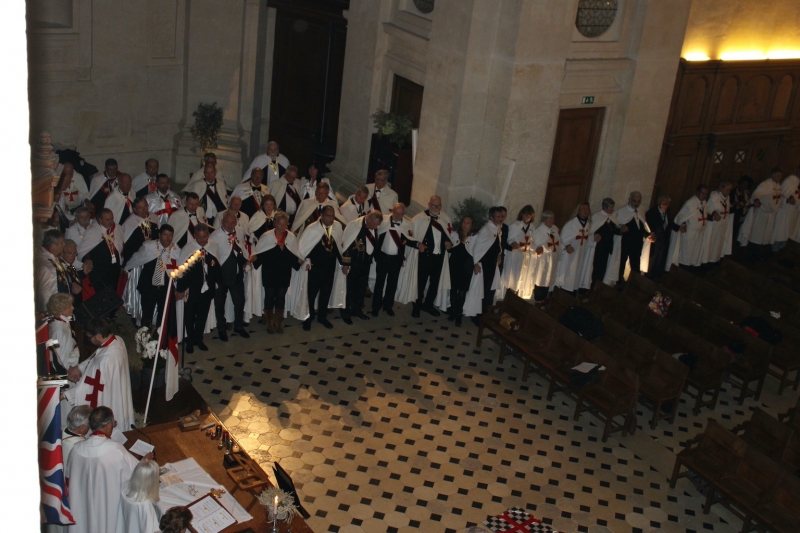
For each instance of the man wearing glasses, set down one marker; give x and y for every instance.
(104, 378)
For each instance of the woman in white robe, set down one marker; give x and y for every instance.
(686, 244)
(520, 263)
(59, 306)
(575, 237)
(546, 244)
(138, 509)
(718, 237)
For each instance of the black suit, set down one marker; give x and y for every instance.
(488, 263)
(662, 226)
(631, 246)
(152, 296)
(387, 271)
(136, 240)
(198, 303)
(430, 266)
(231, 280)
(104, 271)
(359, 261)
(603, 250)
(320, 277)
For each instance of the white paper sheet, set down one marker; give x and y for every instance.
(141, 448)
(584, 367)
(208, 516)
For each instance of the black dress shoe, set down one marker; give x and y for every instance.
(202, 346)
(325, 322)
(361, 315)
(389, 312)
(347, 320)
(223, 335)
(431, 310)
(307, 324)
(189, 347)
(375, 313)
(458, 321)
(242, 333)
(415, 311)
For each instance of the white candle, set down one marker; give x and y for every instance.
(275, 509)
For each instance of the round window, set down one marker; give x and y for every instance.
(425, 6)
(595, 16)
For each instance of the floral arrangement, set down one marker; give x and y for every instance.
(279, 504)
(147, 346)
(396, 127)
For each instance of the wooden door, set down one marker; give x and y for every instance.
(407, 99)
(574, 157)
(308, 63)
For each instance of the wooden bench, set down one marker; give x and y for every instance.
(615, 396)
(662, 385)
(710, 455)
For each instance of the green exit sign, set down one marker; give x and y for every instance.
(587, 100)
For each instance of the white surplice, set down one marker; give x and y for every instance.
(549, 240)
(759, 224)
(571, 266)
(718, 237)
(687, 248)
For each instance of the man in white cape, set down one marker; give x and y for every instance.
(719, 233)
(199, 174)
(319, 284)
(102, 184)
(145, 183)
(284, 189)
(272, 161)
(120, 201)
(759, 224)
(547, 245)
(686, 244)
(356, 205)
(105, 377)
(381, 196)
(252, 192)
(393, 240)
(487, 251)
(633, 253)
(157, 258)
(184, 220)
(575, 237)
(212, 191)
(83, 221)
(230, 300)
(73, 191)
(235, 207)
(163, 202)
(195, 310)
(359, 245)
(310, 209)
(604, 246)
(520, 263)
(97, 467)
(137, 230)
(787, 216)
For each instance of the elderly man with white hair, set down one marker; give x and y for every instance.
(77, 427)
(272, 161)
(235, 207)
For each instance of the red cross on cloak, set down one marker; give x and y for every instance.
(97, 387)
(70, 195)
(583, 237)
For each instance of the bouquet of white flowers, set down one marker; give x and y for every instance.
(146, 345)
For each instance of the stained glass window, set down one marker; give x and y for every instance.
(595, 16)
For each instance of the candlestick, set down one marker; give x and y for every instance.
(275, 515)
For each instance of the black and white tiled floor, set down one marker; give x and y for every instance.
(404, 425)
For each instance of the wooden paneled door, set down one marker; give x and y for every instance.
(574, 157)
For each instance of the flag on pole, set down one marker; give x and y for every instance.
(55, 503)
(169, 332)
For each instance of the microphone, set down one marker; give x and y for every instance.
(133, 427)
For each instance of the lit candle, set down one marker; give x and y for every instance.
(182, 269)
(275, 509)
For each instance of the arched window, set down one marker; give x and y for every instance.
(595, 16)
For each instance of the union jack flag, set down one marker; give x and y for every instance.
(55, 503)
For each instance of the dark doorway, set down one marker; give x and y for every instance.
(407, 98)
(574, 157)
(308, 62)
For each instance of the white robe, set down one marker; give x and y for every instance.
(179, 220)
(549, 240)
(386, 199)
(131, 298)
(76, 232)
(718, 237)
(67, 351)
(116, 202)
(258, 219)
(95, 235)
(96, 469)
(199, 174)
(158, 206)
(307, 208)
(349, 210)
(759, 224)
(520, 264)
(786, 218)
(308, 189)
(137, 517)
(687, 248)
(98, 182)
(46, 277)
(73, 196)
(115, 377)
(143, 180)
(278, 189)
(271, 173)
(201, 187)
(478, 246)
(571, 266)
(296, 296)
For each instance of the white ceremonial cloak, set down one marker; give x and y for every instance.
(95, 235)
(308, 189)
(67, 351)
(598, 219)
(349, 209)
(624, 215)
(137, 517)
(245, 190)
(179, 220)
(473, 301)
(242, 220)
(98, 182)
(199, 174)
(149, 251)
(200, 188)
(278, 189)
(211, 322)
(116, 202)
(220, 237)
(143, 180)
(520, 264)
(687, 248)
(263, 161)
(46, 277)
(131, 299)
(786, 217)
(759, 224)
(549, 240)
(571, 267)
(386, 199)
(478, 246)
(110, 364)
(97, 468)
(73, 196)
(405, 229)
(296, 296)
(409, 273)
(76, 232)
(256, 221)
(718, 237)
(305, 210)
(158, 207)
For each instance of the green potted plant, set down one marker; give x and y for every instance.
(207, 123)
(474, 208)
(395, 127)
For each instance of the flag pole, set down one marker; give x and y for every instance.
(161, 339)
